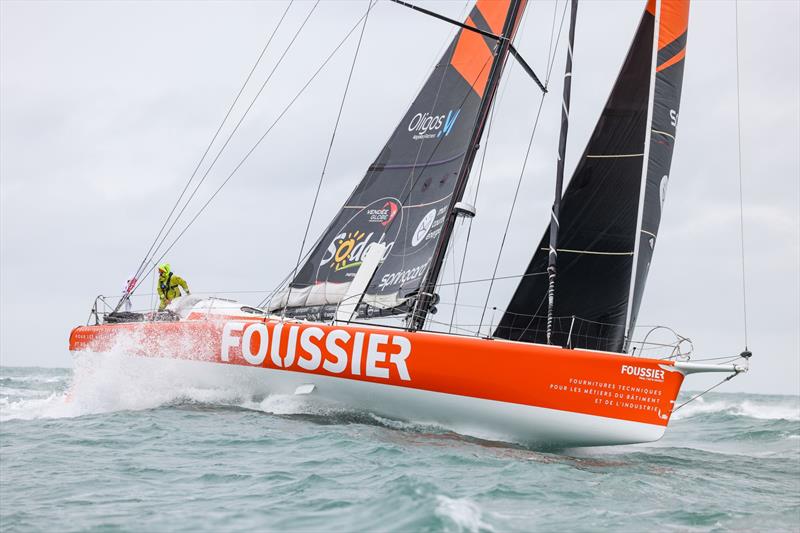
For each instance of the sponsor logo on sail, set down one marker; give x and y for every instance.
(314, 349)
(429, 126)
(648, 374)
(423, 227)
(662, 190)
(430, 227)
(403, 276)
(383, 215)
(370, 225)
(347, 249)
(673, 117)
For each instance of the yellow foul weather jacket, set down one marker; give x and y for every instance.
(169, 288)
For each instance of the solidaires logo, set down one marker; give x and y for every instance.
(377, 222)
(428, 126)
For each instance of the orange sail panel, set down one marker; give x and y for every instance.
(473, 59)
(674, 21)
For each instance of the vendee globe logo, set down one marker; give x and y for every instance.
(370, 224)
(428, 126)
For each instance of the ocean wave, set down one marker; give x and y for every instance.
(6, 392)
(465, 514)
(108, 383)
(291, 404)
(789, 409)
(11, 380)
(53, 406)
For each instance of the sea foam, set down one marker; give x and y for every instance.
(788, 409)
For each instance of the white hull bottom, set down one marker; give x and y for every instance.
(488, 419)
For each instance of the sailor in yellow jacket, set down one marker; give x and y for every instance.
(169, 286)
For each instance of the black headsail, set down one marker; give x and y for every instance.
(607, 217)
(405, 197)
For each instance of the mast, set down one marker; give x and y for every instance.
(562, 147)
(425, 297)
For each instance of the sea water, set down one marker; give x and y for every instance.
(113, 448)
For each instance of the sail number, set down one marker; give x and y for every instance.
(673, 117)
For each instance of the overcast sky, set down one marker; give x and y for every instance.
(106, 107)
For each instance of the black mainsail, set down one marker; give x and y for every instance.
(611, 209)
(406, 197)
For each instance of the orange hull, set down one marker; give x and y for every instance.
(590, 383)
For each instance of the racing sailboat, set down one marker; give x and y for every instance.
(564, 377)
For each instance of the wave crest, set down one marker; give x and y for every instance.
(787, 409)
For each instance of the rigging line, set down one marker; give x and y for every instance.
(448, 19)
(286, 279)
(480, 170)
(484, 280)
(552, 34)
(725, 358)
(216, 134)
(456, 275)
(214, 138)
(475, 201)
(267, 300)
(525, 162)
(741, 188)
(330, 149)
(235, 128)
(693, 398)
(258, 142)
(531, 319)
(513, 204)
(558, 40)
(448, 257)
